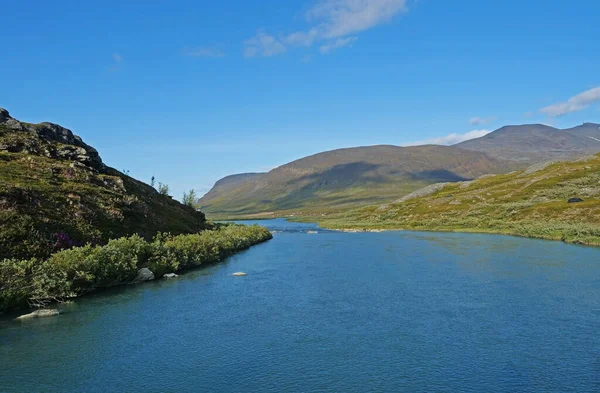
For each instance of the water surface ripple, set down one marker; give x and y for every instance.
(332, 312)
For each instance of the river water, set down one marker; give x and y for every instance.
(332, 312)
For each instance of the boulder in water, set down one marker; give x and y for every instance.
(144, 274)
(239, 274)
(40, 314)
(170, 275)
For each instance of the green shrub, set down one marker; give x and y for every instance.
(16, 282)
(70, 273)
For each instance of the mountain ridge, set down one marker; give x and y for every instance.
(531, 143)
(510, 147)
(346, 177)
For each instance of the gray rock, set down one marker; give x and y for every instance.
(575, 200)
(239, 274)
(425, 191)
(40, 314)
(170, 275)
(4, 115)
(144, 274)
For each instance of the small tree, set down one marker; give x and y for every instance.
(152, 181)
(163, 188)
(190, 198)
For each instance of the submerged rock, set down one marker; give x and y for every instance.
(312, 232)
(170, 275)
(144, 274)
(239, 274)
(40, 314)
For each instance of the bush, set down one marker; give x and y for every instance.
(190, 199)
(71, 273)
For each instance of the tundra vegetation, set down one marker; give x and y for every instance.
(531, 203)
(76, 271)
(69, 224)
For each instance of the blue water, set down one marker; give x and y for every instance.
(332, 312)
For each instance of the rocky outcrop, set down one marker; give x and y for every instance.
(48, 139)
(40, 314)
(144, 274)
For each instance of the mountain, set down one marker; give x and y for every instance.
(554, 201)
(55, 190)
(345, 178)
(532, 143)
(229, 184)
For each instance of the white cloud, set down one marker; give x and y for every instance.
(574, 104)
(203, 52)
(480, 121)
(302, 38)
(264, 45)
(452, 139)
(335, 21)
(339, 43)
(339, 18)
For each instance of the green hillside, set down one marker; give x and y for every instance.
(56, 192)
(345, 178)
(532, 203)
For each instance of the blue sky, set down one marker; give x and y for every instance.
(191, 91)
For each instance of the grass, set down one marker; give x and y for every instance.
(40, 197)
(519, 203)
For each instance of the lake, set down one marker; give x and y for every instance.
(332, 312)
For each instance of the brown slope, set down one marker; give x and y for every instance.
(531, 143)
(348, 177)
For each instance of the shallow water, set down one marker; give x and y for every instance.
(332, 312)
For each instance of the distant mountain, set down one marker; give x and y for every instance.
(346, 177)
(55, 189)
(230, 183)
(533, 143)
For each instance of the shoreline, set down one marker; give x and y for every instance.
(365, 229)
(153, 260)
(465, 230)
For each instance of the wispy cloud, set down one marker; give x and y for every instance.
(339, 43)
(574, 104)
(116, 63)
(333, 22)
(339, 18)
(263, 45)
(203, 52)
(480, 121)
(452, 139)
